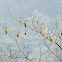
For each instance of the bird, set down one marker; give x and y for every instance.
(61, 33)
(46, 31)
(25, 34)
(25, 24)
(18, 35)
(6, 30)
(50, 39)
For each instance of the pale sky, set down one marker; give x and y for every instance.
(48, 9)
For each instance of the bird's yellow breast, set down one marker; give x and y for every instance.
(50, 39)
(18, 35)
(25, 22)
(6, 29)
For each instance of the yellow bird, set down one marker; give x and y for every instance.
(46, 31)
(26, 34)
(25, 24)
(61, 33)
(50, 39)
(18, 35)
(6, 30)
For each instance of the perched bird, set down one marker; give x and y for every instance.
(46, 31)
(6, 30)
(61, 33)
(25, 24)
(50, 39)
(18, 35)
(26, 34)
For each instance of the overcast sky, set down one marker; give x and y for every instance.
(48, 9)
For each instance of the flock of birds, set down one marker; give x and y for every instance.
(6, 30)
(25, 23)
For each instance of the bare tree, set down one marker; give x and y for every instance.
(54, 37)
